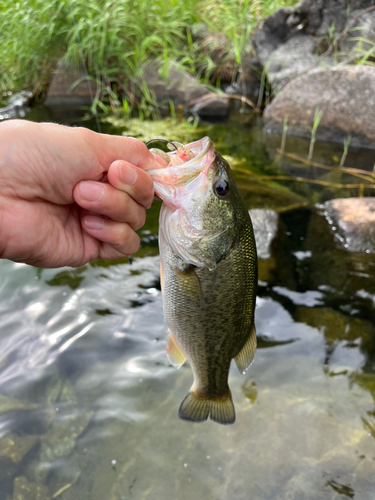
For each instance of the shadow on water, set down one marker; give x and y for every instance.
(88, 400)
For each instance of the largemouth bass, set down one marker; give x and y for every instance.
(208, 275)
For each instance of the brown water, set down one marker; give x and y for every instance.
(88, 400)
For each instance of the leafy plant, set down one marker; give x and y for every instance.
(346, 149)
(283, 137)
(112, 40)
(317, 117)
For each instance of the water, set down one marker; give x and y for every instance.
(88, 400)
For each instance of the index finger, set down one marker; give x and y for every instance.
(132, 180)
(110, 148)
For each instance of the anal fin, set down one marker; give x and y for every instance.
(176, 357)
(246, 355)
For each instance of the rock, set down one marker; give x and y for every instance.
(171, 83)
(37, 471)
(177, 85)
(215, 107)
(216, 47)
(294, 57)
(60, 91)
(20, 99)
(64, 477)
(17, 106)
(364, 27)
(59, 390)
(13, 448)
(291, 41)
(354, 222)
(9, 404)
(285, 42)
(24, 490)
(344, 94)
(335, 325)
(248, 80)
(60, 440)
(265, 225)
(346, 278)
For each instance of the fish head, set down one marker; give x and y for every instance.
(202, 210)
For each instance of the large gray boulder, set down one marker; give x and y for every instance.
(70, 86)
(359, 41)
(344, 94)
(292, 41)
(173, 83)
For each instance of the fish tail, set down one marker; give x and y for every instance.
(197, 408)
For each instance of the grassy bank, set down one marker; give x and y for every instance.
(115, 38)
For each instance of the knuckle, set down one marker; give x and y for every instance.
(129, 241)
(141, 219)
(134, 243)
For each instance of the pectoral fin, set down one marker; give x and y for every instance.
(246, 355)
(189, 283)
(176, 357)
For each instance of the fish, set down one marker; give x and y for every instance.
(208, 275)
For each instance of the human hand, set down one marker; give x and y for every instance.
(70, 195)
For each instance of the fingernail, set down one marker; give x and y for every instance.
(91, 191)
(93, 222)
(128, 174)
(160, 160)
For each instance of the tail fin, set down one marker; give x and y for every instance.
(195, 408)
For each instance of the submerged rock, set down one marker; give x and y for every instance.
(335, 325)
(60, 440)
(265, 225)
(9, 404)
(24, 490)
(345, 277)
(59, 390)
(346, 97)
(13, 448)
(354, 222)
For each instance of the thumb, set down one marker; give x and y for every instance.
(110, 148)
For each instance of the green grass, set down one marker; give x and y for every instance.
(115, 38)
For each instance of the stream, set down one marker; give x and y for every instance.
(89, 401)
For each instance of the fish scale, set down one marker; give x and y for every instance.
(209, 279)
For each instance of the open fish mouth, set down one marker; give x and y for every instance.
(186, 157)
(185, 164)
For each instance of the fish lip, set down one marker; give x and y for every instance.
(207, 145)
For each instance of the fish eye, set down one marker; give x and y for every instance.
(221, 188)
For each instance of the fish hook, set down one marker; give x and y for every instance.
(162, 140)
